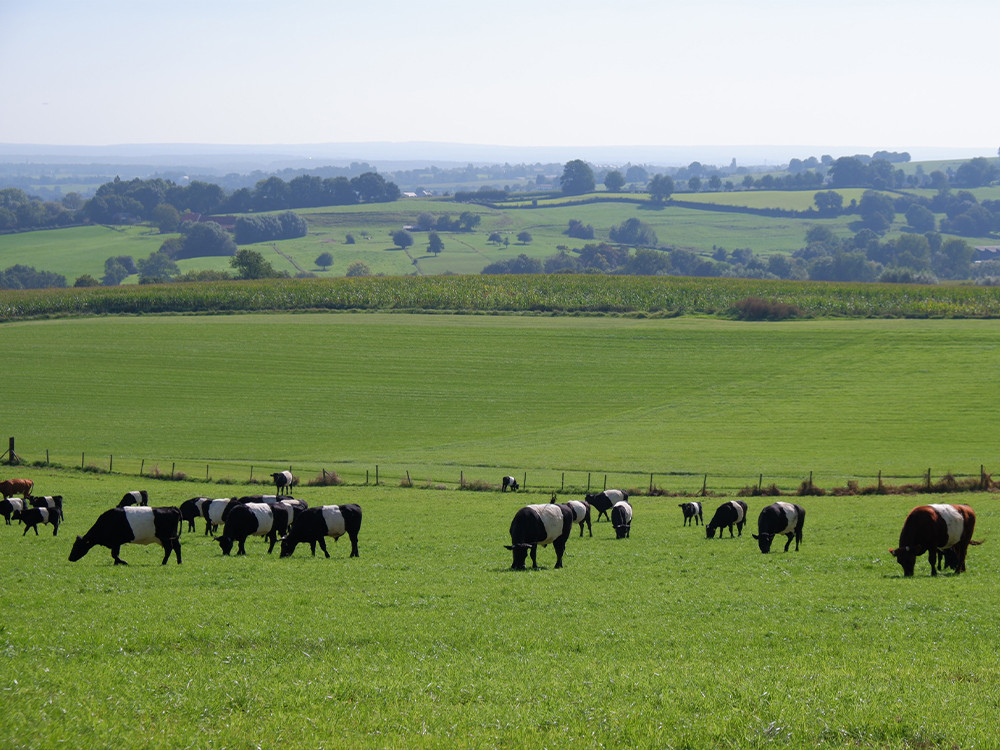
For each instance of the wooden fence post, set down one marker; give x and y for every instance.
(142, 466)
(651, 483)
(376, 475)
(562, 486)
(605, 481)
(111, 463)
(524, 484)
(704, 486)
(81, 459)
(588, 482)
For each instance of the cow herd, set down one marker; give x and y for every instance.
(943, 531)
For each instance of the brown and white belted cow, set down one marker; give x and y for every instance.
(935, 529)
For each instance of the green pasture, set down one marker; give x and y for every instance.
(663, 640)
(464, 397)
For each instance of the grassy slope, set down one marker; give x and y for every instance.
(437, 395)
(664, 640)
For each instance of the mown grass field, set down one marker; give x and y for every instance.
(663, 640)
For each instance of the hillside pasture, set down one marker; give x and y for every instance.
(663, 640)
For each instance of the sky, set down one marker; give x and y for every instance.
(891, 74)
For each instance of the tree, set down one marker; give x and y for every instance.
(157, 267)
(206, 238)
(920, 218)
(847, 171)
(577, 178)
(114, 272)
(495, 237)
(402, 239)
(524, 237)
(357, 268)
(636, 175)
(694, 184)
(953, 260)
(324, 260)
(633, 232)
(434, 243)
(166, 218)
(614, 181)
(86, 280)
(249, 264)
(660, 187)
(829, 202)
(975, 172)
(877, 210)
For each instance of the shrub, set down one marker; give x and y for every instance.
(755, 308)
(325, 479)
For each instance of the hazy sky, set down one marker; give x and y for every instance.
(884, 73)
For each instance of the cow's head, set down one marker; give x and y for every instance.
(225, 543)
(621, 531)
(764, 541)
(907, 557)
(710, 532)
(287, 546)
(520, 555)
(80, 548)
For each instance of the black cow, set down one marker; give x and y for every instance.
(12, 507)
(621, 519)
(282, 479)
(34, 516)
(780, 518)
(313, 525)
(135, 497)
(252, 519)
(692, 513)
(539, 524)
(119, 526)
(732, 513)
(602, 502)
(191, 509)
(52, 502)
(509, 482)
(215, 511)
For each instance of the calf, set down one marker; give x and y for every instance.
(52, 502)
(315, 524)
(733, 513)
(12, 507)
(282, 479)
(621, 518)
(11, 487)
(539, 524)
(692, 513)
(34, 516)
(252, 519)
(944, 532)
(135, 497)
(215, 511)
(119, 526)
(191, 509)
(509, 482)
(780, 518)
(603, 501)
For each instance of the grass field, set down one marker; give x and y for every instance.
(438, 395)
(663, 640)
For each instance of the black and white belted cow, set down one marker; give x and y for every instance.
(944, 532)
(191, 509)
(581, 513)
(32, 517)
(132, 525)
(535, 525)
(621, 519)
(252, 519)
(780, 518)
(52, 502)
(602, 502)
(282, 480)
(214, 512)
(511, 483)
(732, 513)
(135, 497)
(692, 513)
(12, 507)
(313, 525)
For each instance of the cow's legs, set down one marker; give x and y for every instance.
(114, 554)
(354, 545)
(534, 562)
(560, 548)
(789, 542)
(322, 546)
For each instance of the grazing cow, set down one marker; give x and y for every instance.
(603, 501)
(215, 511)
(34, 516)
(944, 532)
(293, 507)
(252, 519)
(692, 513)
(282, 479)
(136, 497)
(621, 518)
(780, 518)
(11, 487)
(119, 526)
(509, 482)
(53, 503)
(581, 514)
(12, 507)
(539, 524)
(733, 513)
(315, 524)
(191, 509)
